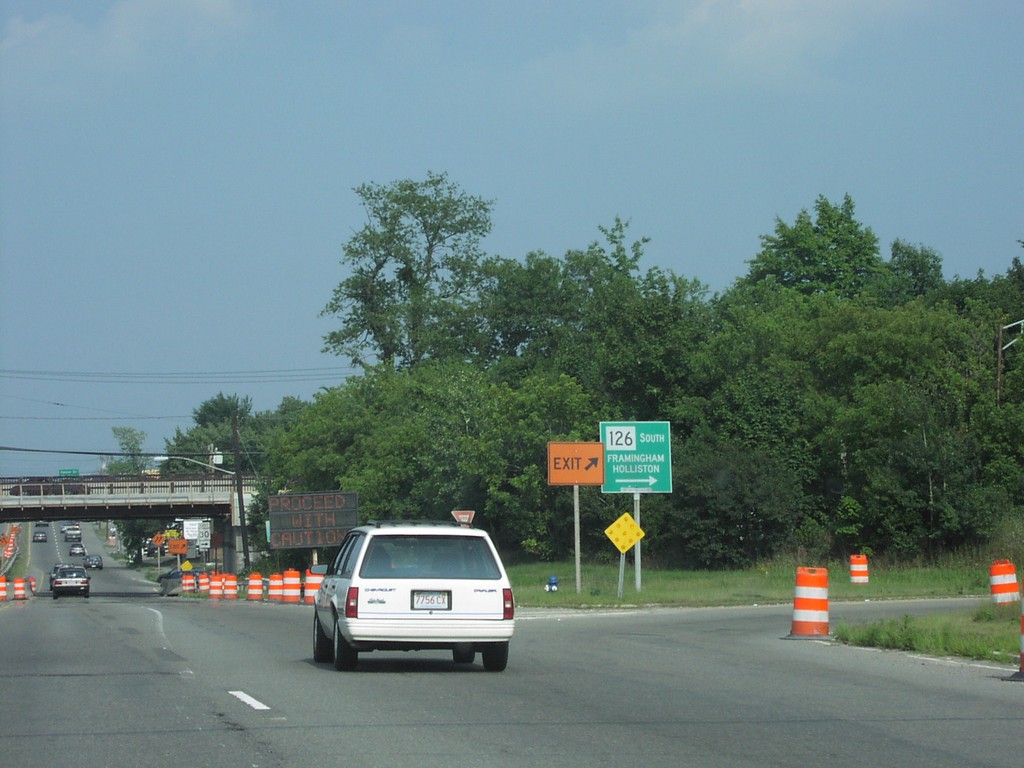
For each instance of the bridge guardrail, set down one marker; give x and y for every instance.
(19, 496)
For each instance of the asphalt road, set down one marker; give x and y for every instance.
(140, 681)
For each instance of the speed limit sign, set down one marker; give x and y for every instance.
(203, 540)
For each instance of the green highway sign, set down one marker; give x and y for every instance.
(637, 456)
(68, 472)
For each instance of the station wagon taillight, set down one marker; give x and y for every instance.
(508, 604)
(352, 603)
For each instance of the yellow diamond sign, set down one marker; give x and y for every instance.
(624, 533)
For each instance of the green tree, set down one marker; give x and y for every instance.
(625, 336)
(915, 271)
(736, 505)
(414, 273)
(904, 383)
(504, 465)
(211, 436)
(130, 460)
(521, 310)
(419, 443)
(827, 399)
(832, 253)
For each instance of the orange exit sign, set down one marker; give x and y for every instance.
(575, 463)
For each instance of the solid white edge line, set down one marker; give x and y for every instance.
(245, 697)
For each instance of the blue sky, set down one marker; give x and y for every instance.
(176, 176)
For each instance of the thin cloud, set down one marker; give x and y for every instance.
(674, 48)
(54, 55)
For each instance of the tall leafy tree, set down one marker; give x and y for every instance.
(905, 383)
(414, 272)
(916, 271)
(826, 398)
(211, 434)
(622, 334)
(736, 504)
(831, 253)
(442, 436)
(131, 460)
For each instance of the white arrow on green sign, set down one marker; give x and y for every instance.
(637, 456)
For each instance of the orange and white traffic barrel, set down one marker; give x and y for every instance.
(230, 586)
(1002, 581)
(276, 589)
(858, 569)
(3, 588)
(204, 584)
(32, 584)
(188, 582)
(19, 589)
(216, 586)
(292, 586)
(810, 603)
(254, 587)
(312, 584)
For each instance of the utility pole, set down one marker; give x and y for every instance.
(1000, 348)
(236, 447)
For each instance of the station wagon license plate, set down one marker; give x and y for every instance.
(431, 600)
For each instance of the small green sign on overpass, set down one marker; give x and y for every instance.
(68, 472)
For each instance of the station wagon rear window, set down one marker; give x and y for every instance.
(429, 557)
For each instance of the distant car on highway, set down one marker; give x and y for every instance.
(39, 536)
(71, 580)
(93, 561)
(56, 568)
(77, 550)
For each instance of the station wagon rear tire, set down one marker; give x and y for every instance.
(495, 657)
(322, 648)
(345, 656)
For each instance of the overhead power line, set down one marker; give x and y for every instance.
(188, 377)
(95, 453)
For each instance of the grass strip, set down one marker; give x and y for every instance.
(990, 633)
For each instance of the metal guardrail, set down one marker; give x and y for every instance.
(21, 496)
(120, 485)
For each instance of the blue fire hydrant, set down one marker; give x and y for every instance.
(552, 585)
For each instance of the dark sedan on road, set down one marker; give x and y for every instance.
(93, 561)
(55, 570)
(71, 581)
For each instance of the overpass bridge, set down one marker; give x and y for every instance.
(122, 497)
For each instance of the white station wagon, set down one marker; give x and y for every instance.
(408, 585)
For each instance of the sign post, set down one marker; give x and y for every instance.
(576, 464)
(624, 533)
(638, 456)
